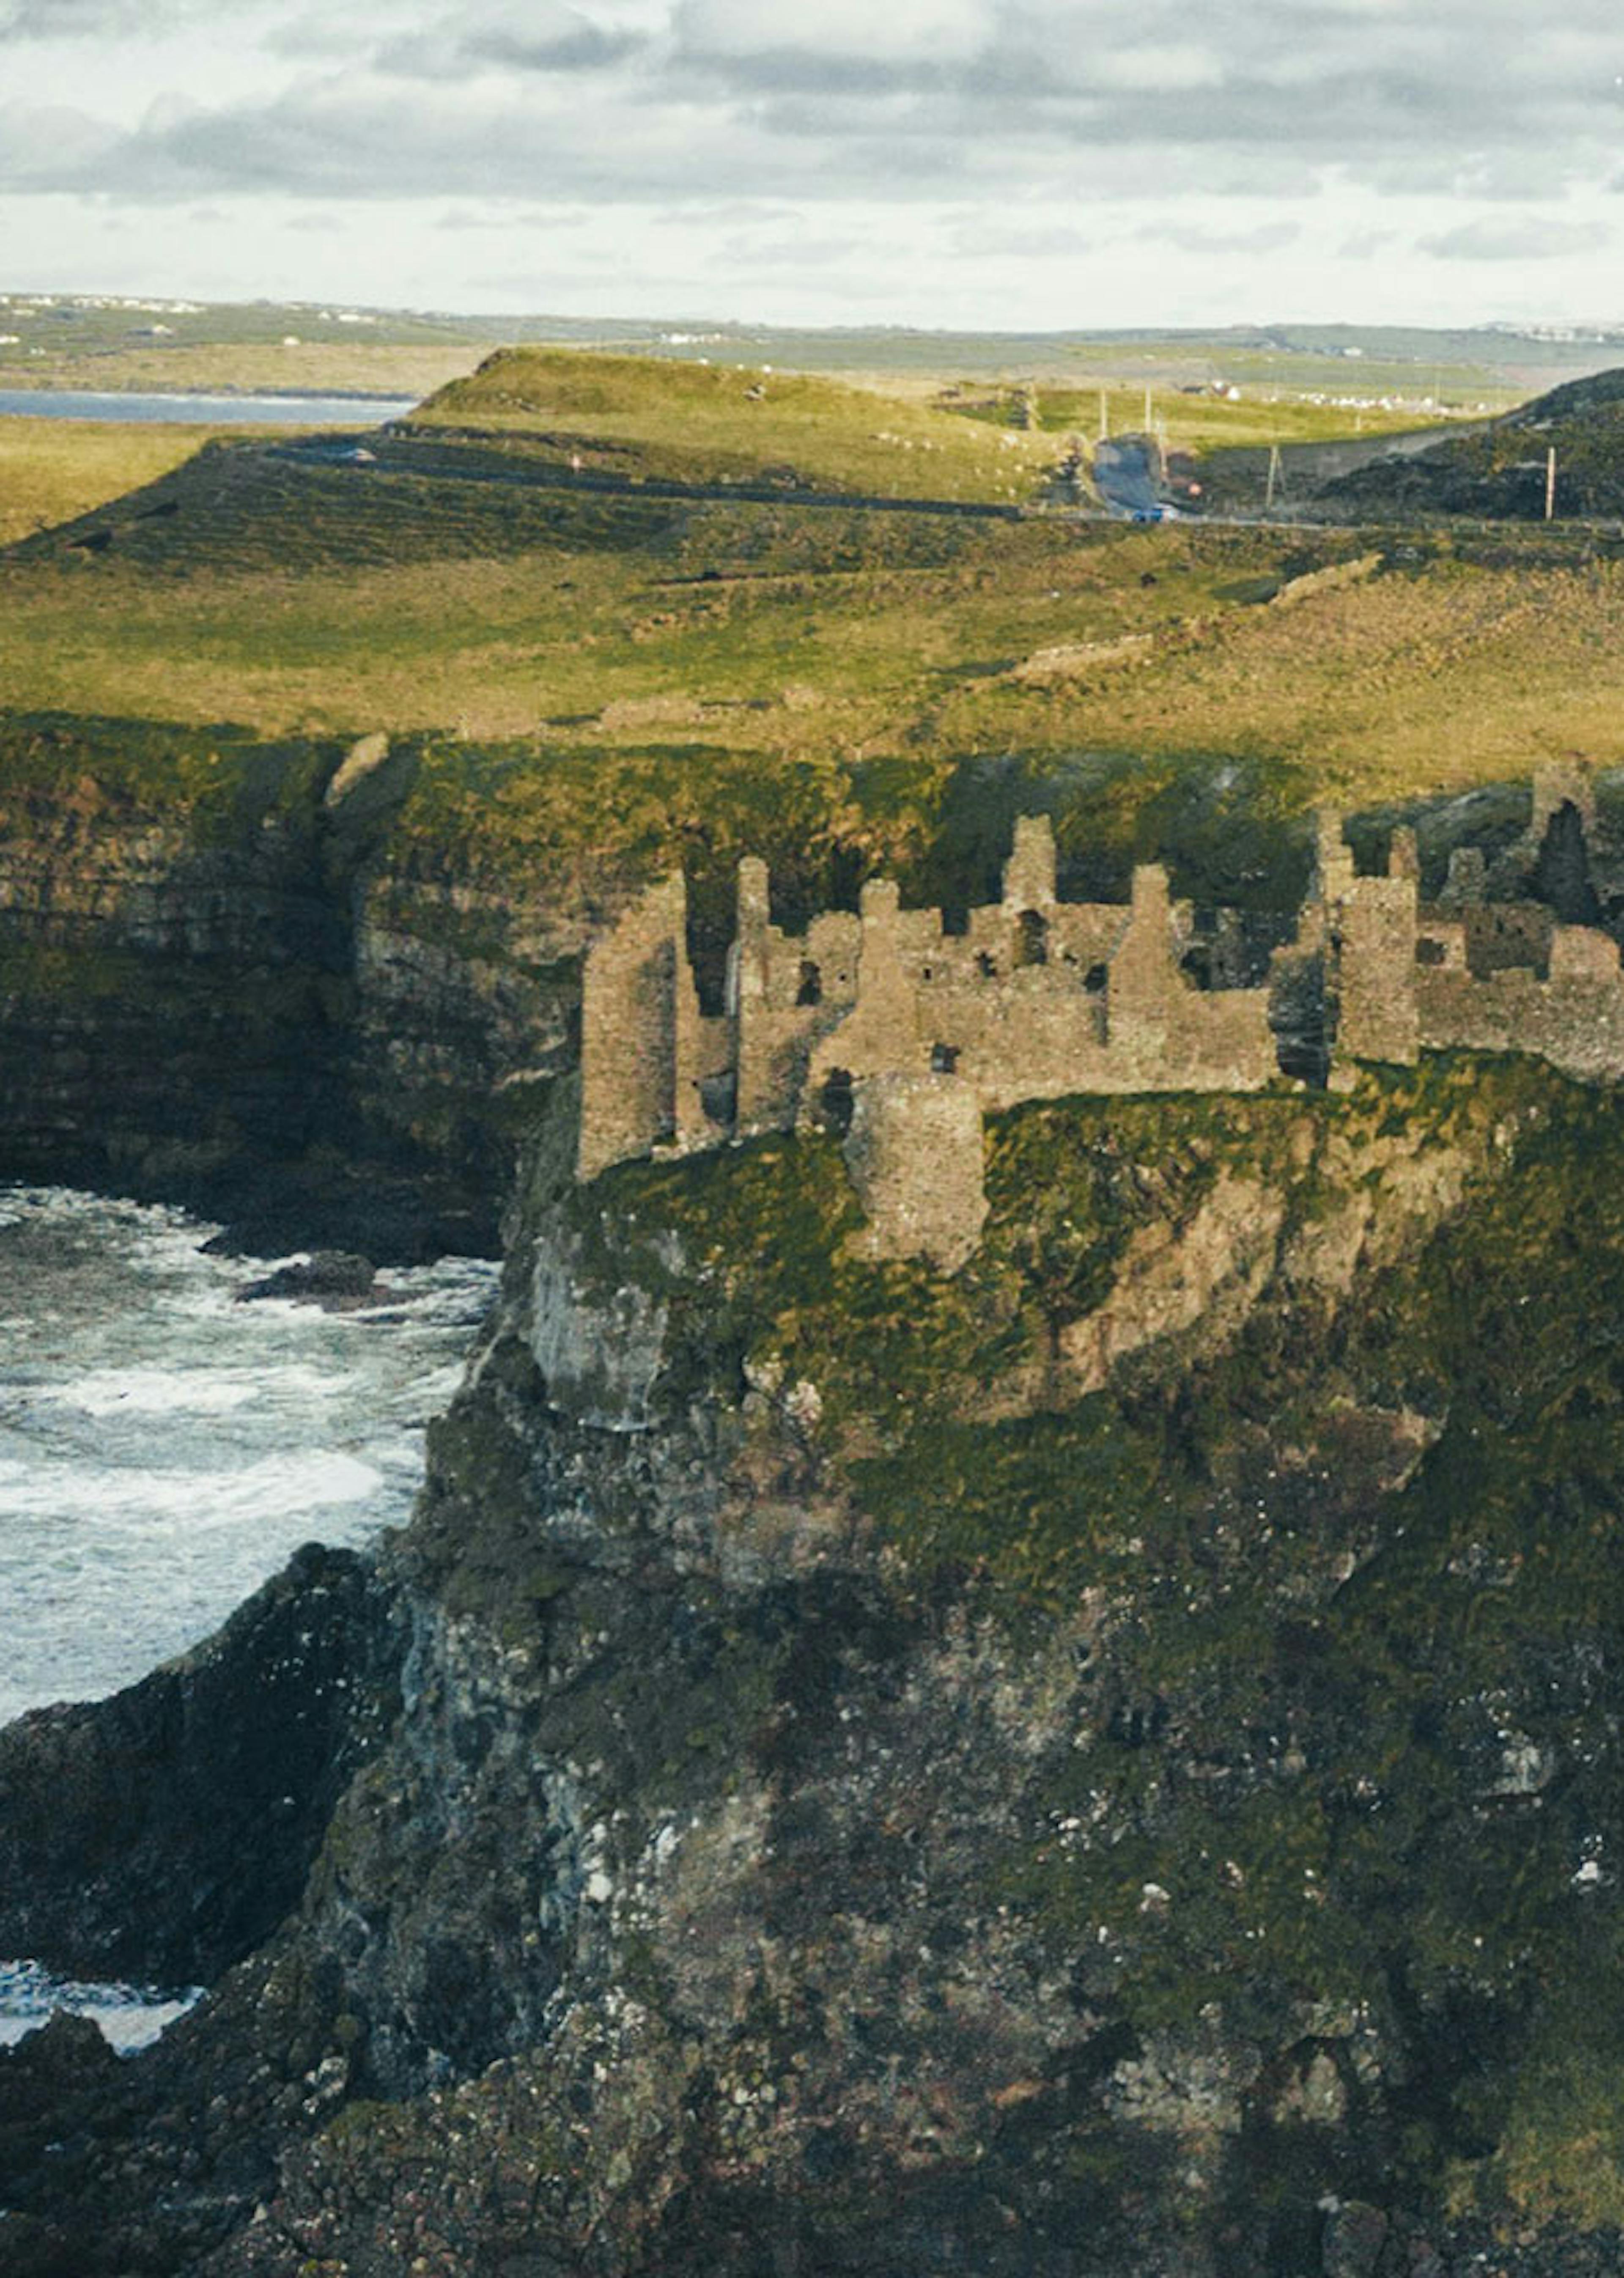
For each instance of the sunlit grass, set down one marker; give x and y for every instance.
(53, 469)
(247, 587)
(720, 423)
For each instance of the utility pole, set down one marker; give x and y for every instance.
(1550, 483)
(1274, 477)
(1105, 424)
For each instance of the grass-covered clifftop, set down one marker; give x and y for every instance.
(465, 588)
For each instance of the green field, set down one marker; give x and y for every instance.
(618, 640)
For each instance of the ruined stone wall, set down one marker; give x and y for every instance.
(1088, 998)
(1029, 874)
(642, 1043)
(1575, 1018)
(1221, 1042)
(1500, 937)
(914, 1152)
(903, 1036)
(784, 992)
(1376, 927)
(1028, 1037)
(1558, 784)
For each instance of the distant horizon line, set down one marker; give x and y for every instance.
(1550, 330)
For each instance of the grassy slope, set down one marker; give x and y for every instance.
(819, 631)
(731, 644)
(1501, 469)
(50, 471)
(1196, 423)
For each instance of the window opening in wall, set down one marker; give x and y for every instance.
(836, 1101)
(1431, 953)
(1095, 979)
(986, 965)
(811, 990)
(944, 1059)
(1032, 938)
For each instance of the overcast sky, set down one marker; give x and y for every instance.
(993, 163)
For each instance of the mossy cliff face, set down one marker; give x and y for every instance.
(1085, 1767)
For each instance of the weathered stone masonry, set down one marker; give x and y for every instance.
(884, 1027)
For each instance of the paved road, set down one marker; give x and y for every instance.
(1125, 475)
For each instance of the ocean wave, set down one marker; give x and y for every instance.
(194, 1501)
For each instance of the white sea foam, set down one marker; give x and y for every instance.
(165, 1446)
(112, 1500)
(131, 2016)
(155, 1392)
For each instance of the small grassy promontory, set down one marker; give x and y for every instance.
(718, 423)
(1501, 469)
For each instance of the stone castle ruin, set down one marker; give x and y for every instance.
(899, 1036)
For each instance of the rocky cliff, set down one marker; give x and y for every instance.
(223, 982)
(1102, 1765)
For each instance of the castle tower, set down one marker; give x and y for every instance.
(749, 967)
(1029, 874)
(1558, 784)
(1333, 861)
(1142, 975)
(915, 1156)
(1378, 1014)
(639, 1034)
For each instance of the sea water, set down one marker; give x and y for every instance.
(166, 1445)
(194, 410)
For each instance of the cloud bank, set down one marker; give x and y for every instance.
(1258, 145)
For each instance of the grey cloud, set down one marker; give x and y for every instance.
(1375, 88)
(320, 38)
(37, 146)
(1267, 237)
(798, 250)
(1027, 241)
(1531, 239)
(930, 98)
(544, 41)
(84, 19)
(361, 140)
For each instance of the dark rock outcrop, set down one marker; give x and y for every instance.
(901, 1803)
(161, 1835)
(332, 1277)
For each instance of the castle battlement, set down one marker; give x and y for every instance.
(882, 1026)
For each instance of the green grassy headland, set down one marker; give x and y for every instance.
(591, 662)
